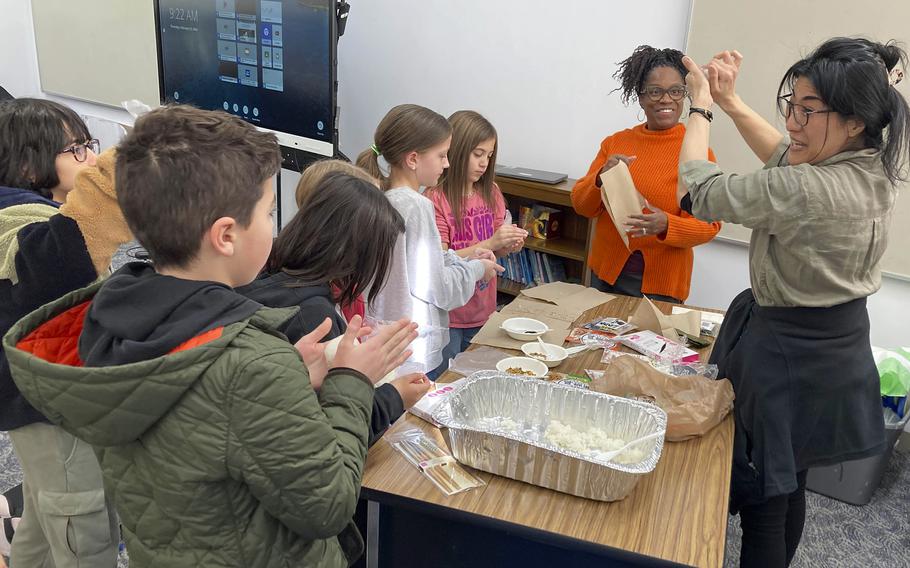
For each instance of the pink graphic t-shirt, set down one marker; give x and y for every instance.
(479, 223)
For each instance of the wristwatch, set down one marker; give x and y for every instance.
(702, 111)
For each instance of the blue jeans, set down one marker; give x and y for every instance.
(459, 340)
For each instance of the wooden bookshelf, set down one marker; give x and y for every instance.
(577, 231)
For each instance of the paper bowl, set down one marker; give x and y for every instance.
(527, 364)
(555, 353)
(523, 329)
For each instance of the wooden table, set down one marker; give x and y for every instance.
(678, 513)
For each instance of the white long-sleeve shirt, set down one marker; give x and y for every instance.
(424, 282)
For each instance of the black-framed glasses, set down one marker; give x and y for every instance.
(801, 114)
(656, 93)
(80, 150)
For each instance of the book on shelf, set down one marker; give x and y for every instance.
(531, 268)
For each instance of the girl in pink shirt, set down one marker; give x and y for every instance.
(471, 213)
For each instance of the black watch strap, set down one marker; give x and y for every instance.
(702, 111)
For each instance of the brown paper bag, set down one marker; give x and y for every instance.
(693, 404)
(648, 316)
(620, 198)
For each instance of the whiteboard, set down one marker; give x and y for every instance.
(772, 35)
(539, 70)
(102, 51)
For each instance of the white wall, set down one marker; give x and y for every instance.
(571, 109)
(540, 70)
(721, 272)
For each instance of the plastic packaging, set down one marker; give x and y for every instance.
(433, 462)
(481, 358)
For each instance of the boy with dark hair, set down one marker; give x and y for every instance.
(211, 438)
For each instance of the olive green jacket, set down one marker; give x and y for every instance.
(218, 455)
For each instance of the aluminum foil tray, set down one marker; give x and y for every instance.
(476, 437)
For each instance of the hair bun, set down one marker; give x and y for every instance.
(890, 53)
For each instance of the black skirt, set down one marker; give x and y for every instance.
(807, 392)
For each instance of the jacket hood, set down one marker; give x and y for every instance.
(140, 315)
(107, 362)
(277, 290)
(10, 196)
(13, 219)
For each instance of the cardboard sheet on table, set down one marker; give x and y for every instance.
(620, 197)
(573, 298)
(584, 300)
(649, 316)
(553, 291)
(491, 335)
(529, 307)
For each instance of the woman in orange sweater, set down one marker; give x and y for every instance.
(658, 261)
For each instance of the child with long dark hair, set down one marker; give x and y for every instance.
(337, 247)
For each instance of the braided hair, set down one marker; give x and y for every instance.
(634, 69)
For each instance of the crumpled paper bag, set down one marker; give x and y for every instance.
(694, 404)
(648, 316)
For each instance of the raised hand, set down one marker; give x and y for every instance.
(697, 82)
(722, 73)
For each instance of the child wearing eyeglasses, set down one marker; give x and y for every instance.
(658, 259)
(59, 225)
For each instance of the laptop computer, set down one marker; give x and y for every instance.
(533, 175)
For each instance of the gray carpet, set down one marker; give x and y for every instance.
(836, 534)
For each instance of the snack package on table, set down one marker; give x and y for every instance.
(615, 326)
(659, 347)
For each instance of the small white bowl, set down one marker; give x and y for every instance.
(538, 368)
(555, 354)
(523, 329)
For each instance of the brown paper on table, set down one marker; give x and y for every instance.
(649, 316)
(552, 291)
(694, 404)
(491, 335)
(620, 198)
(584, 300)
(529, 307)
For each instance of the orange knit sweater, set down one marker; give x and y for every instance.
(668, 256)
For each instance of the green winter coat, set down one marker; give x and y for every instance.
(219, 455)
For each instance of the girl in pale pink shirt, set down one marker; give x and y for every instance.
(471, 213)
